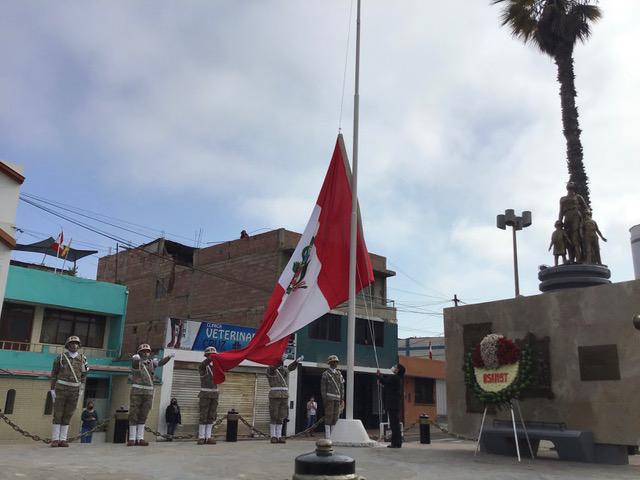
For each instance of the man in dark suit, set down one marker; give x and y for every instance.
(393, 401)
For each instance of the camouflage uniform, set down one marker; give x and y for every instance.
(208, 393)
(141, 395)
(332, 388)
(69, 374)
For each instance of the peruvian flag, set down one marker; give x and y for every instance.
(57, 246)
(316, 279)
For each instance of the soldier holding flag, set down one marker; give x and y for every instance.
(278, 376)
(208, 398)
(141, 395)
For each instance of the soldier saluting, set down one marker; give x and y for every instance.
(332, 389)
(208, 398)
(278, 376)
(67, 376)
(141, 395)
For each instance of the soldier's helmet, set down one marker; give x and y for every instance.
(333, 358)
(144, 346)
(210, 350)
(71, 339)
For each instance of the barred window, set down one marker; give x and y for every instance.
(327, 327)
(58, 325)
(424, 390)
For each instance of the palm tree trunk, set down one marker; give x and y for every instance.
(571, 129)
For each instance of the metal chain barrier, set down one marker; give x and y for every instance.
(252, 428)
(305, 432)
(181, 437)
(454, 435)
(38, 438)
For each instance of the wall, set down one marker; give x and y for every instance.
(318, 350)
(9, 193)
(570, 318)
(28, 411)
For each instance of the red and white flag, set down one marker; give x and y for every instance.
(430, 352)
(316, 279)
(57, 245)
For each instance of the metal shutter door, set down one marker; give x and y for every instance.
(261, 406)
(185, 388)
(441, 397)
(238, 392)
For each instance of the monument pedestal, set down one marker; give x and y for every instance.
(572, 276)
(350, 433)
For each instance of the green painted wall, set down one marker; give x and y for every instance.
(45, 288)
(39, 287)
(318, 350)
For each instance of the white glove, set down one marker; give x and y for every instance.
(136, 357)
(300, 358)
(53, 394)
(173, 355)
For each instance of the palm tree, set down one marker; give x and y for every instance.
(555, 26)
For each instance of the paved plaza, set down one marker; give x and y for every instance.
(252, 459)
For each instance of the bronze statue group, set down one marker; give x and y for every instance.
(576, 233)
(70, 370)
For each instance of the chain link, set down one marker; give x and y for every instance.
(454, 435)
(181, 437)
(38, 438)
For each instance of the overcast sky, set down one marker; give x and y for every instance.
(222, 115)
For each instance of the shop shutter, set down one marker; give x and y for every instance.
(238, 392)
(185, 388)
(261, 408)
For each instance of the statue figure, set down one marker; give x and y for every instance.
(590, 233)
(559, 242)
(572, 207)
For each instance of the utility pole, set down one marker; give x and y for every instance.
(456, 300)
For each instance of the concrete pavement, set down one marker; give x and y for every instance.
(252, 459)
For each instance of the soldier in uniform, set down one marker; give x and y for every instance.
(278, 376)
(332, 389)
(141, 395)
(208, 399)
(572, 208)
(67, 376)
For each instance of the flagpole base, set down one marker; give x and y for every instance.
(350, 433)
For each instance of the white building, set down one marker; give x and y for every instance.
(10, 180)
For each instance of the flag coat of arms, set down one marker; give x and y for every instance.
(316, 279)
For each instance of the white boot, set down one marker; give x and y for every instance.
(133, 432)
(140, 435)
(55, 434)
(202, 431)
(207, 431)
(278, 430)
(327, 432)
(64, 430)
(272, 432)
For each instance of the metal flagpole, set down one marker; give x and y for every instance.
(351, 324)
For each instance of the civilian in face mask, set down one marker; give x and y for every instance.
(173, 418)
(393, 401)
(89, 421)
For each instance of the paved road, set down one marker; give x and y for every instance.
(444, 459)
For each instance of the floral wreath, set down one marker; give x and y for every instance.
(497, 370)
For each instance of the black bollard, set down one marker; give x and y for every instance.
(425, 429)
(323, 463)
(232, 426)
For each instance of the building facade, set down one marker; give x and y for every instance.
(41, 310)
(424, 388)
(229, 284)
(10, 180)
(434, 347)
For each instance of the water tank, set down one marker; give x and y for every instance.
(635, 249)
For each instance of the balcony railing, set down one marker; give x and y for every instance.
(55, 349)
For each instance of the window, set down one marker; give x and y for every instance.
(326, 327)
(15, 326)
(424, 390)
(9, 402)
(58, 325)
(369, 330)
(96, 388)
(48, 404)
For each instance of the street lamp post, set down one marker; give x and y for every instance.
(509, 218)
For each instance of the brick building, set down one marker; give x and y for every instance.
(230, 284)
